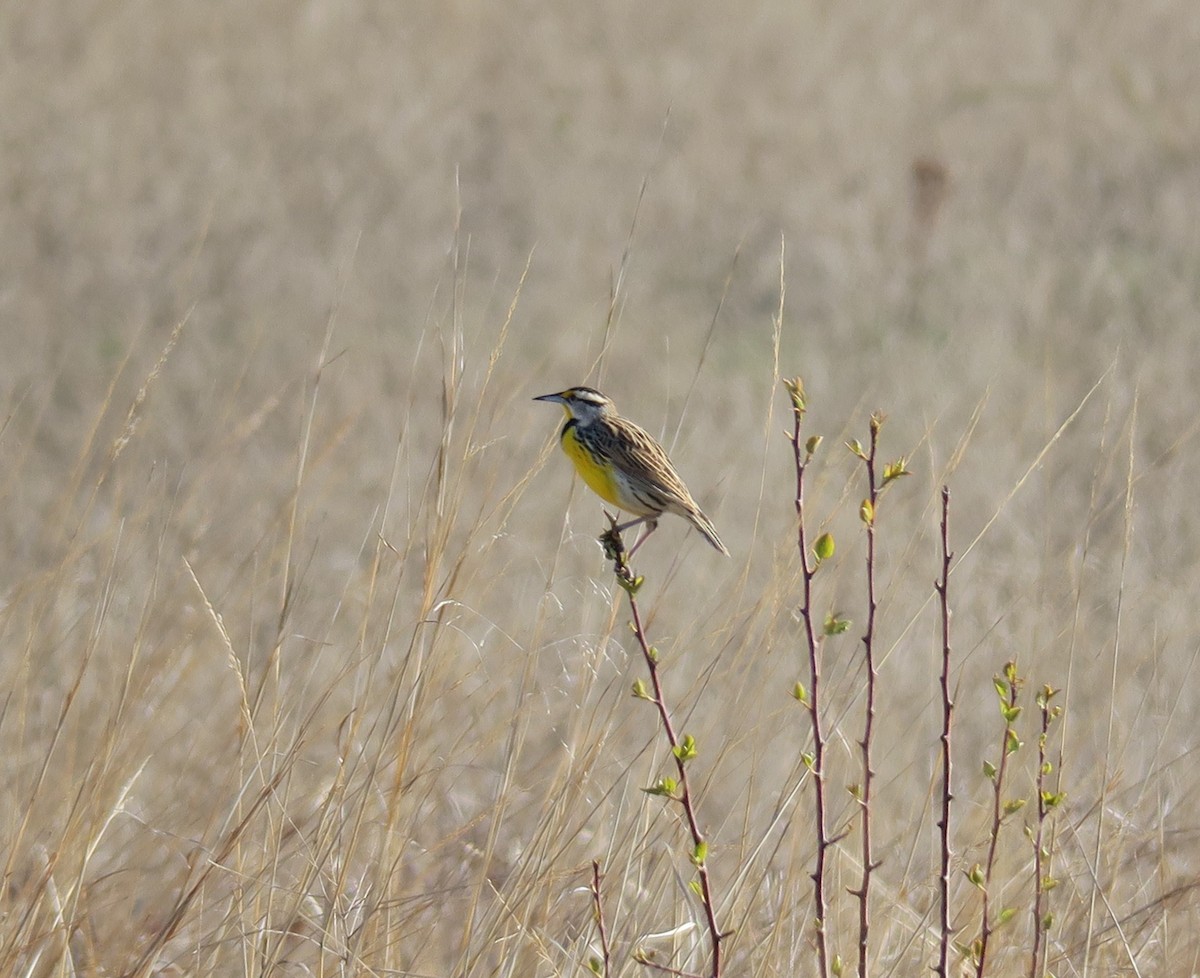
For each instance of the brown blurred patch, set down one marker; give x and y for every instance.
(930, 181)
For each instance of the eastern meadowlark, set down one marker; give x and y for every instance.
(624, 465)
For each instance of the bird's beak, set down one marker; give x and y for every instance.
(555, 398)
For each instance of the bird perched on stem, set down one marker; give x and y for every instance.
(624, 465)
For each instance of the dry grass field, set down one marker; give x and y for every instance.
(310, 663)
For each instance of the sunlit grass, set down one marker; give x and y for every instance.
(275, 716)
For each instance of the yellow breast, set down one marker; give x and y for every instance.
(599, 478)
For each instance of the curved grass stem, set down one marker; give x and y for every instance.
(682, 748)
(605, 963)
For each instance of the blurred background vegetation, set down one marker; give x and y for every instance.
(984, 217)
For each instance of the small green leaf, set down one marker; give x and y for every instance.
(795, 389)
(700, 853)
(696, 888)
(1013, 805)
(812, 445)
(595, 965)
(856, 448)
(824, 547)
(838, 965)
(653, 653)
(808, 759)
(1006, 915)
(975, 875)
(663, 788)
(895, 470)
(686, 749)
(1047, 920)
(800, 693)
(835, 624)
(855, 791)
(1010, 713)
(631, 584)
(1012, 743)
(640, 690)
(866, 512)
(989, 770)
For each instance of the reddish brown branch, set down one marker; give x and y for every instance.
(615, 549)
(942, 586)
(869, 865)
(812, 700)
(1010, 683)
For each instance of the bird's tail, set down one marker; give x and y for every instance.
(705, 526)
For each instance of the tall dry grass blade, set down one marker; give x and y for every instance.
(134, 416)
(1110, 734)
(231, 656)
(1038, 459)
(145, 963)
(617, 287)
(705, 347)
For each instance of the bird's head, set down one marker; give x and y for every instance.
(584, 404)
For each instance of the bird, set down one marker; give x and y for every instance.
(623, 464)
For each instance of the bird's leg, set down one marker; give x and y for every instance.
(641, 519)
(651, 526)
(611, 537)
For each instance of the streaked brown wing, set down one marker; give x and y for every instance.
(635, 452)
